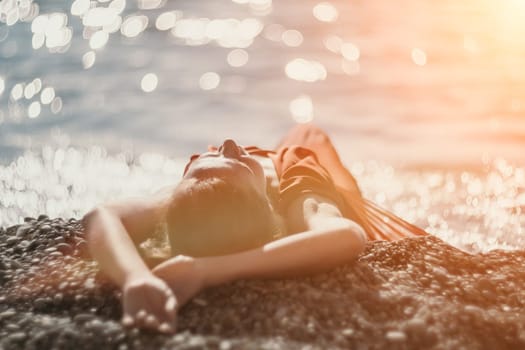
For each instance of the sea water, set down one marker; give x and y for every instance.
(101, 100)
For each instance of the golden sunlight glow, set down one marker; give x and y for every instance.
(209, 81)
(419, 57)
(34, 109)
(325, 12)
(47, 95)
(292, 38)
(237, 58)
(134, 25)
(88, 59)
(304, 70)
(149, 82)
(302, 109)
(98, 40)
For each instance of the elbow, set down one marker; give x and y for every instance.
(91, 221)
(354, 238)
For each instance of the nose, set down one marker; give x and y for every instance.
(230, 149)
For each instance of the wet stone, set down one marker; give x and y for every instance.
(16, 337)
(64, 248)
(43, 217)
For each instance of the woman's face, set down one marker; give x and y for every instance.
(230, 161)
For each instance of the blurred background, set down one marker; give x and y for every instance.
(406, 81)
(110, 97)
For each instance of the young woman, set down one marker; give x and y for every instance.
(238, 213)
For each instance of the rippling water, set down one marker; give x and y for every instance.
(432, 92)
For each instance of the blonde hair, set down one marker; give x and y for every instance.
(214, 216)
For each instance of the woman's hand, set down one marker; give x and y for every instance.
(183, 275)
(148, 302)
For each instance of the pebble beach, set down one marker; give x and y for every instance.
(410, 294)
(104, 100)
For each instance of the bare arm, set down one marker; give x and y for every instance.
(328, 240)
(112, 232)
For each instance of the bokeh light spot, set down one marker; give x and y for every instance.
(350, 51)
(34, 109)
(302, 109)
(325, 12)
(292, 38)
(88, 59)
(149, 82)
(47, 95)
(419, 56)
(237, 58)
(17, 91)
(134, 25)
(333, 43)
(98, 40)
(167, 20)
(56, 105)
(79, 7)
(2, 85)
(304, 70)
(209, 81)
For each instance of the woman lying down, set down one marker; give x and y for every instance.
(238, 213)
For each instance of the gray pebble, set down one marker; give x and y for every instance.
(15, 337)
(81, 318)
(64, 248)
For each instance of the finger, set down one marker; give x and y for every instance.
(170, 305)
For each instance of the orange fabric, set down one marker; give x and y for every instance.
(307, 162)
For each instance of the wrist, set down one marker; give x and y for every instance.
(137, 276)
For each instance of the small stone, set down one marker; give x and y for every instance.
(7, 313)
(12, 240)
(397, 336)
(82, 318)
(22, 230)
(16, 337)
(29, 219)
(64, 248)
(225, 345)
(50, 250)
(42, 217)
(348, 332)
(24, 244)
(41, 303)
